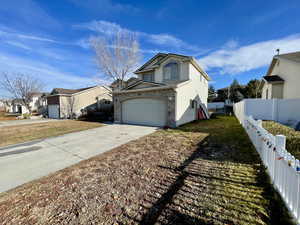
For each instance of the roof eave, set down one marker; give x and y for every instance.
(144, 71)
(197, 66)
(273, 63)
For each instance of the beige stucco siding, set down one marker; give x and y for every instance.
(266, 91)
(277, 90)
(196, 89)
(290, 72)
(183, 70)
(80, 101)
(64, 107)
(34, 103)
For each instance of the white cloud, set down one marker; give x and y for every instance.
(36, 44)
(50, 76)
(108, 28)
(36, 38)
(19, 45)
(245, 58)
(85, 43)
(20, 36)
(101, 26)
(28, 12)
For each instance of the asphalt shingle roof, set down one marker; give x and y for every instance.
(273, 78)
(57, 91)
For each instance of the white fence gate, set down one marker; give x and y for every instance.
(282, 167)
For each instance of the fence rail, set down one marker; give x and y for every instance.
(282, 167)
(280, 110)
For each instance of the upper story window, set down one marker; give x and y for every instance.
(148, 77)
(171, 71)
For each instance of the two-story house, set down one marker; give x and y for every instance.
(283, 77)
(169, 91)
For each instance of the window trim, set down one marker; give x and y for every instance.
(172, 78)
(148, 74)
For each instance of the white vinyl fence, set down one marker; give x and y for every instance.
(282, 167)
(285, 111)
(215, 105)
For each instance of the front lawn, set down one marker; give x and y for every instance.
(22, 133)
(205, 172)
(5, 116)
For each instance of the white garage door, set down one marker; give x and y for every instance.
(53, 111)
(144, 111)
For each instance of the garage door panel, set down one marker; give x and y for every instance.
(53, 111)
(144, 111)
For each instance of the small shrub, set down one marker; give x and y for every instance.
(26, 116)
(292, 136)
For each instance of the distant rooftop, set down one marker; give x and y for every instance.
(57, 91)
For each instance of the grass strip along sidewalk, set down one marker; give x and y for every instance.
(206, 172)
(22, 133)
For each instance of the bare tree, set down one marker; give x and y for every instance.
(118, 55)
(71, 106)
(21, 86)
(7, 104)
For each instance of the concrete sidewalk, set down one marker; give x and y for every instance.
(25, 162)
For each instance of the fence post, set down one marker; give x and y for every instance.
(275, 110)
(280, 141)
(259, 123)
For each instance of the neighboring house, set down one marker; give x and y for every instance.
(2, 105)
(18, 107)
(37, 104)
(283, 77)
(7, 105)
(169, 91)
(70, 103)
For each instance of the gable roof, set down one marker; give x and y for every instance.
(294, 56)
(161, 57)
(36, 93)
(63, 91)
(158, 56)
(139, 82)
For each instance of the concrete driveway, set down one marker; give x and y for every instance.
(25, 162)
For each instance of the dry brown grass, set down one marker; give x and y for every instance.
(22, 133)
(203, 173)
(4, 116)
(292, 136)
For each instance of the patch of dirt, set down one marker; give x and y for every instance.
(169, 177)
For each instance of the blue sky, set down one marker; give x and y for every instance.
(230, 38)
